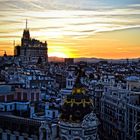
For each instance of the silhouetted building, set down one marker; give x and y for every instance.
(69, 60)
(31, 50)
(17, 51)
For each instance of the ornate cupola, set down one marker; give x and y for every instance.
(77, 119)
(76, 106)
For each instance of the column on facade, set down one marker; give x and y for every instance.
(21, 96)
(5, 98)
(35, 96)
(29, 96)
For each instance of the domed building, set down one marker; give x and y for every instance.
(77, 120)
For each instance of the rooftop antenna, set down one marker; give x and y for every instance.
(26, 23)
(14, 43)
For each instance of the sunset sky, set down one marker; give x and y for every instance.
(74, 28)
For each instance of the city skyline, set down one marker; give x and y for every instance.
(85, 28)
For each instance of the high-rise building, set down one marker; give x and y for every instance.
(31, 50)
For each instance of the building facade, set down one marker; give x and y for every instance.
(120, 111)
(31, 50)
(19, 128)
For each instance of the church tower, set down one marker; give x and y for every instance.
(32, 50)
(26, 36)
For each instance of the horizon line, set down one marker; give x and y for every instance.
(85, 57)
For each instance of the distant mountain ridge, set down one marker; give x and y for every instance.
(94, 60)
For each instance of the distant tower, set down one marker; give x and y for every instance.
(26, 35)
(17, 50)
(5, 55)
(26, 24)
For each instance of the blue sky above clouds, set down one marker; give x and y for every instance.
(64, 4)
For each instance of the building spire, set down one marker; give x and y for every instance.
(14, 43)
(26, 24)
(26, 34)
(4, 52)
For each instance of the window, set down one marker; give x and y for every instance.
(32, 96)
(8, 136)
(53, 114)
(68, 83)
(11, 107)
(69, 132)
(64, 138)
(24, 96)
(0, 136)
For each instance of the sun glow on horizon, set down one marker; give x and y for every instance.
(58, 54)
(58, 50)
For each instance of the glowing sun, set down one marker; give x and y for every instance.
(58, 54)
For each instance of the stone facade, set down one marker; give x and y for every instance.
(31, 50)
(86, 130)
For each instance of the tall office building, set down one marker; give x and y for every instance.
(31, 50)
